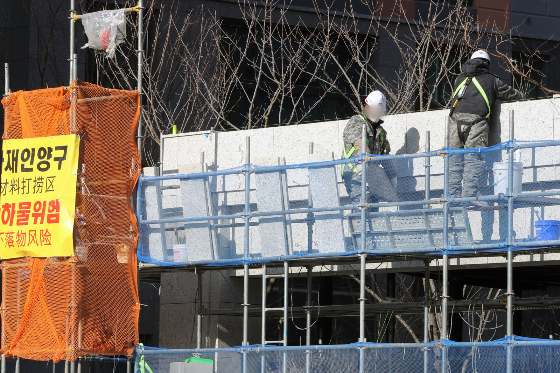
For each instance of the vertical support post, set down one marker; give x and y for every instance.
(445, 290)
(363, 208)
(511, 150)
(286, 290)
(285, 324)
(17, 365)
(310, 214)
(199, 311)
(75, 67)
(54, 367)
(3, 361)
(390, 317)
(6, 79)
(129, 364)
(263, 316)
(140, 130)
(80, 365)
(263, 309)
(72, 38)
(427, 169)
(246, 249)
(426, 311)
(308, 319)
(309, 279)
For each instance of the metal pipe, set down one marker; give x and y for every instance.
(285, 324)
(427, 169)
(286, 289)
(126, 10)
(510, 240)
(445, 290)
(284, 212)
(129, 364)
(263, 316)
(80, 365)
(18, 366)
(390, 319)
(310, 215)
(363, 246)
(426, 310)
(140, 130)
(6, 79)
(72, 38)
(75, 67)
(199, 312)
(247, 170)
(308, 304)
(308, 318)
(3, 360)
(263, 308)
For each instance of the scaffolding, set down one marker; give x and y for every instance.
(441, 228)
(93, 101)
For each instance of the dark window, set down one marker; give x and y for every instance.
(308, 98)
(536, 69)
(440, 78)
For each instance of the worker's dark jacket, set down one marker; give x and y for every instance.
(473, 102)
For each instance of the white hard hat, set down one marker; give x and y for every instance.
(377, 99)
(481, 54)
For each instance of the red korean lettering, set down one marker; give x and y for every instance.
(39, 208)
(53, 211)
(8, 213)
(23, 212)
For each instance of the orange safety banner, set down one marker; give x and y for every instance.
(63, 307)
(38, 196)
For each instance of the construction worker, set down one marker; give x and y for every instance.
(475, 92)
(382, 174)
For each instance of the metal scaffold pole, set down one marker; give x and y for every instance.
(426, 311)
(72, 38)
(511, 150)
(427, 262)
(308, 318)
(285, 316)
(199, 311)
(363, 246)
(75, 67)
(6, 79)
(427, 167)
(3, 361)
(246, 249)
(445, 290)
(140, 131)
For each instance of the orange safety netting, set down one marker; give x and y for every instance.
(62, 308)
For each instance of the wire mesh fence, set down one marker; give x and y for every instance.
(449, 201)
(525, 354)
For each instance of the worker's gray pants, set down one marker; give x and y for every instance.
(353, 182)
(379, 184)
(467, 170)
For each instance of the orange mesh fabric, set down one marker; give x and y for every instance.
(62, 308)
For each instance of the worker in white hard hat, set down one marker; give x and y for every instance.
(381, 174)
(475, 92)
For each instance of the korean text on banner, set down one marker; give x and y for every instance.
(38, 196)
